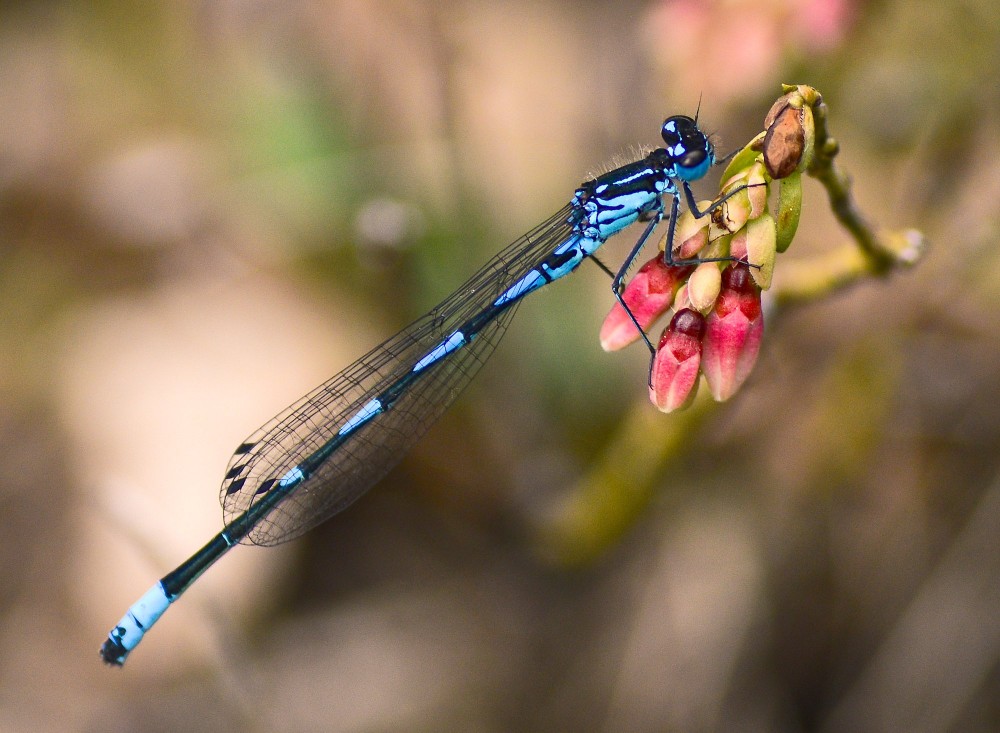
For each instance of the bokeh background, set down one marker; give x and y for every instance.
(207, 208)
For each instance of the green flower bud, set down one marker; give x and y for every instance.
(789, 209)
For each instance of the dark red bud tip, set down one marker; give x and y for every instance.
(737, 277)
(688, 322)
(683, 336)
(739, 291)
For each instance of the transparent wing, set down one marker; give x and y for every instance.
(372, 450)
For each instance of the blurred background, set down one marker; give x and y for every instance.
(208, 208)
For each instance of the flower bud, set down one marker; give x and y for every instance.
(733, 332)
(789, 208)
(681, 300)
(738, 246)
(738, 178)
(744, 158)
(757, 189)
(703, 286)
(648, 295)
(791, 136)
(734, 213)
(673, 379)
(762, 242)
(690, 234)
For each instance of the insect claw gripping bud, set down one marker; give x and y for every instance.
(738, 208)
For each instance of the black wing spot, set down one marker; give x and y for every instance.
(244, 448)
(236, 471)
(235, 486)
(265, 486)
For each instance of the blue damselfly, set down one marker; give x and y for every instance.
(326, 450)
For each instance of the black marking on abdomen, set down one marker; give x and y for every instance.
(556, 260)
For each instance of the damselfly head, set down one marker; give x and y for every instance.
(688, 147)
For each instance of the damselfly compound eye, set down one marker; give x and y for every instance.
(676, 128)
(688, 147)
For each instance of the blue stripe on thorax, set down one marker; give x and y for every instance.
(619, 198)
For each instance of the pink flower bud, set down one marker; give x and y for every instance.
(690, 234)
(738, 245)
(733, 332)
(649, 295)
(681, 300)
(673, 380)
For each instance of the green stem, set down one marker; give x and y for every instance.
(884, 250)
